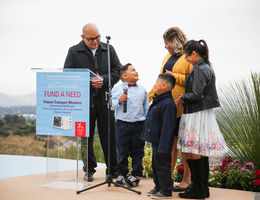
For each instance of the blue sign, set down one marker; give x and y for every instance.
(63, 103)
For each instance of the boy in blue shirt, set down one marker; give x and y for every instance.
(159, 130)
(130, 102)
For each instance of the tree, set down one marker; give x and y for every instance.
(239, 118)
(18, 131)
(2, 123)
(4, 132)
(8, 119)
(14, 119)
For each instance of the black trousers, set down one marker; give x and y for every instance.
(161, 165)
(99, 114)
(129, 144)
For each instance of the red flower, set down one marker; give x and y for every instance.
(226, 161)
(180, 168)
(224, 164)
(256, 182)
(216, 168)
(257, 173)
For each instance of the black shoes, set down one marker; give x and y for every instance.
(199, 177)
(159, 195)
(180, 189)
(132, 181)
(192, 194)
(88, 176)
(151, 192)
(120, 180)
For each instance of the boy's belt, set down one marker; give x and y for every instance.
(137, 122)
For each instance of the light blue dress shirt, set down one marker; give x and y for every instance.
(137, 103)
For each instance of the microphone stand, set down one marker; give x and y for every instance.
(109, 179)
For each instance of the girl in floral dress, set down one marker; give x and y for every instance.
(199, 134)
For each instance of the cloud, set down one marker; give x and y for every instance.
(39, 33)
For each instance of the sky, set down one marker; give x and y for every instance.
(38, 33)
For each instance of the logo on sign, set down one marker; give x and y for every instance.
(80, 129)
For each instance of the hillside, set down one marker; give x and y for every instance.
(17, 100)
(59, 147)
(17, 110)
(19, 145)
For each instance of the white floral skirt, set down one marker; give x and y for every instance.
(199, 134)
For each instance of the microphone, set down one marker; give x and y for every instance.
(125, 102)
(108, 38)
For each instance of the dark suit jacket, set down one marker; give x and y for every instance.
(80, 56)
(160, 123)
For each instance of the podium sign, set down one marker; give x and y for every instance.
(63, 103)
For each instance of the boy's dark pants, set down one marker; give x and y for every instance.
(129, 144)
(161, 164)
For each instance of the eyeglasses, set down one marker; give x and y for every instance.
(92, 39)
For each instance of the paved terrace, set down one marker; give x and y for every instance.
(62, 186)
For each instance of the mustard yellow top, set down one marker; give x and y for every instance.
(180, 68)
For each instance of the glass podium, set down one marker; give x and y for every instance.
(62, 115)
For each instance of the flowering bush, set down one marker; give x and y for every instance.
(234, 174)
(257, 174)
(178, 172)
(256, 182)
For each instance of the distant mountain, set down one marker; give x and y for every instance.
(19, 100)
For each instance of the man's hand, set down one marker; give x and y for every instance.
(98, 83)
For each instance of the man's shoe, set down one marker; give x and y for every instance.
(88, 176)
(159, 195)
(151, 192)
(120, 180)
(132, 181)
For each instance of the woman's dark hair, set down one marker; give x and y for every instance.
(169, 79)
(200, 47)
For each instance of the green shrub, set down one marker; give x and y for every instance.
(18, 131)
(147, 162)
(239, 118)
(4, 132)
(2, 123)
